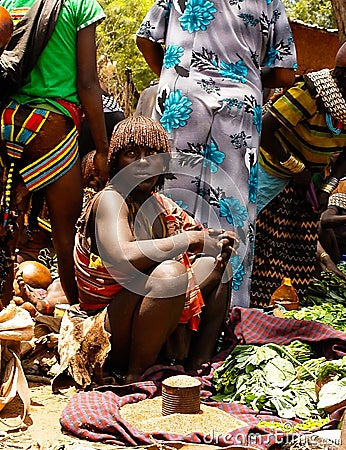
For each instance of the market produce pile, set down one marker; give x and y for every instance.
(291, 381)
(328, 288)
(324, 302)
(288, 380)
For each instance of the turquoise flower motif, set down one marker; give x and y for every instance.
(212, 157)
(172, 56)
(197, 15)
(235, 71)
(253, 183)
(271, 56)
(234, 212)
(176, 111)
(238, 272)
(181, 204)
(257, 118)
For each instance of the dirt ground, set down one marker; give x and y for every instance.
(41, 430)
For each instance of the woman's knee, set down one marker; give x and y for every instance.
(168, 279)
(203, 267)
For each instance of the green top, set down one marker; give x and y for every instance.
(55, 73)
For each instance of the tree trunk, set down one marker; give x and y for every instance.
(340, 14)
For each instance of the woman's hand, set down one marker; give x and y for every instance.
(100, 169)
(219, 243)
(228, 244)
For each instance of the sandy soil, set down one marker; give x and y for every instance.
(41, 430)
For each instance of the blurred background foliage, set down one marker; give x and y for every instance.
(315, 12)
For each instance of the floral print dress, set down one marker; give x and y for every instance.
(210, 102)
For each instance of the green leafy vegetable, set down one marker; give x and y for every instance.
(266, 378)
(332, 393)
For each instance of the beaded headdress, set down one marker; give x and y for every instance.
(330, 94)
(139, 130)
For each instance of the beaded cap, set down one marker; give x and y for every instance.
(139, 130)
(330, 93)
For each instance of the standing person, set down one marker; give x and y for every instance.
(113, 113)
(141, 282)
(147, 99)
(39, 130)
(302, 130)
(218, 57)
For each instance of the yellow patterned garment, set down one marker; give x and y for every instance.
(304, 132)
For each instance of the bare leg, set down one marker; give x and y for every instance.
(329, 243)
(21, 202)
(141, 325)
(64, 200)
(216, 298)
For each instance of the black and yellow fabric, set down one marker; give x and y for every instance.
(286, 239)
(304, 133)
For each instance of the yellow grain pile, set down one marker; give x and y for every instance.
(181, 381)
(146, 416)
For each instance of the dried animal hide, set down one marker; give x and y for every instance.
(16, 325)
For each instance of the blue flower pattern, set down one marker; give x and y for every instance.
(233, 211)
(236, 72)
(238, 272)
(172, 56)
(208, 86)
(257, 118)
(253, 183)
(212, 157)
(197, 15)
(177, 111)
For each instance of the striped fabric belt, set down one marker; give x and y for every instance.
(53, 165)
(49, 167)
(46, 169)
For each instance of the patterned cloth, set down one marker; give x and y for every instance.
(38, 147)
(286, 227)
(210, 101)
(286, 240)
(95, 415)
(304, 132)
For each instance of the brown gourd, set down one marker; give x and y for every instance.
(35, 274)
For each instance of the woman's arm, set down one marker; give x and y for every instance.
(277, 77)
(153, 53)
(117, 246)
(89, 92)
(331, 219)
(338, 171)
(269, 141)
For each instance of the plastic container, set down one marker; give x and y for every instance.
(285, 295)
